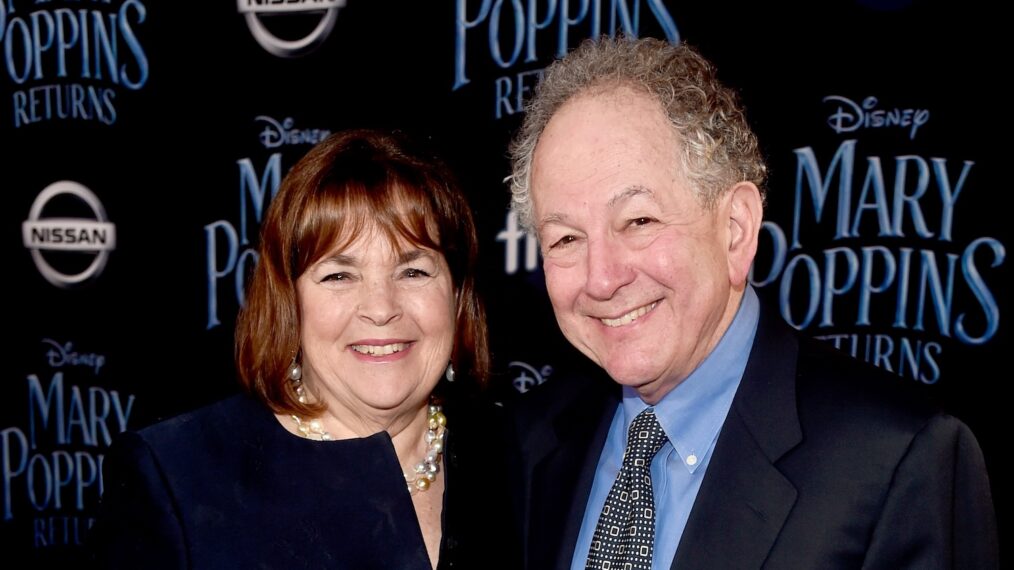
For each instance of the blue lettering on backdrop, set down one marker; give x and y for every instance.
(276, 134)
(527, 376)
(850, 116)
(914, 358)
(890, 214)
(52, 468)
(512, 236)
(229, 253)
(221, 236)
(47, 49)
(939, 290)
(514, 28)
(60, 355)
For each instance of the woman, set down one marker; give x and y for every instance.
(341, 455)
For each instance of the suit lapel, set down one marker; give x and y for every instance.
(744, 499)
(562, 476)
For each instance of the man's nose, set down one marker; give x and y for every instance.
(608, 269)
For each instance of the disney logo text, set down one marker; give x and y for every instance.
(64, 355)
(276, 134)
(851, 116)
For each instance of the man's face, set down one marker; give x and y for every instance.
(638, 271)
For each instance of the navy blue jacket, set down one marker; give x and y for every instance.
(823, 462)
(228, 487)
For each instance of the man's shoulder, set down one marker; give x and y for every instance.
(853, 413)
(835, 383)
(832, 386)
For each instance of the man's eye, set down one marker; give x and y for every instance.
(642, 221)
(564, 241)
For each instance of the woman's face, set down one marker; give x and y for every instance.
(377, 325)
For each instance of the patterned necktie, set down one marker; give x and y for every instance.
(624, 537)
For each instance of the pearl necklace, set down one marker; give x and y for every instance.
(424, 472)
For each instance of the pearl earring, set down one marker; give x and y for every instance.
(295, 372)
(449, 374)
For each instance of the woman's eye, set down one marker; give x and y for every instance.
(415, 273)
(642, 221)
(337, 277)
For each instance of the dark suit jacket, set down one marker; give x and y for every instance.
(227, 487)
(823, 462)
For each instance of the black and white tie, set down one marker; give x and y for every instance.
(624, 537)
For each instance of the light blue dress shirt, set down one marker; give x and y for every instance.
(691, 415)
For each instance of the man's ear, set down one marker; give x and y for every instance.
(745, 210)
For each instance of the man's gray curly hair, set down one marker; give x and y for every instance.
(717, 149)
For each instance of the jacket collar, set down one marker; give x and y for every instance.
(744, 499)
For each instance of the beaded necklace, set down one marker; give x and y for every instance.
(423, 473)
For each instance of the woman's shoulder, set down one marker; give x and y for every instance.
(230, 419)
(224, 413)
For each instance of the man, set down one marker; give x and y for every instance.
(722, 439)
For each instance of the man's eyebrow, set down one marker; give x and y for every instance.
(555, 218)
(561, 218)
(630, 193)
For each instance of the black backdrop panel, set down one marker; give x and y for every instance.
(142, 142)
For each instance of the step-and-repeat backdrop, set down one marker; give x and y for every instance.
(142, 142)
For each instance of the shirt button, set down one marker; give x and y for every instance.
(691, 460)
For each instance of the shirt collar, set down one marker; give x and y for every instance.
(692, 414)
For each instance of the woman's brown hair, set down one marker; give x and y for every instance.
(350, 183)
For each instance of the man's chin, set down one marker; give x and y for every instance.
(650, 386)
(633, 378)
